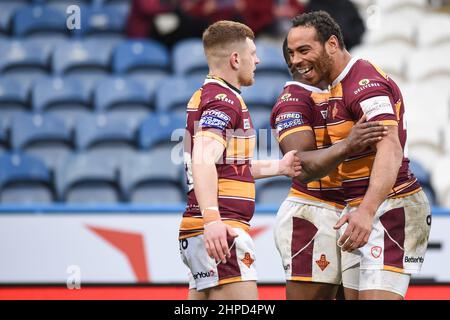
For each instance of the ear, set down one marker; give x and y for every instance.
(332, 45)
(234, 60)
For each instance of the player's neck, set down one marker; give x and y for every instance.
(340, 62)
(229, 77)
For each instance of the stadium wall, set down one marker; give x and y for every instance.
(73, 245)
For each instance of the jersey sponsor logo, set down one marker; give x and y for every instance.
(247, 260)
(214, 119)
(288, 120)
(287, 97)
(365, 84)
(413, 259)
(246, 124)
(202, 274)
(376, 251)
(375, 106)
(223, 97)
(323, 262)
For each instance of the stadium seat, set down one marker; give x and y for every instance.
(159, 129)
(24, 179)
(79, 57)
(38, 19)
(426, 64)
(102, 20)
(108, 43)
(4, 143)
(108, 137)
(188, 58)
(151, 82)
(152, 178)
(139, 56)
(13, 98)
(174, 93)
(65, 97)
(434, 30)
(84, 179)
(272, 190)
(392, 28)
(122, 96)
(46, 42)
(7, 10)
(397, 5)
(263, 93)
(19, 57)
(44, 136)
(390, 57)
(440, 181)
(271, 60)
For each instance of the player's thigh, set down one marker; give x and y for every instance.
(244, 290)
(197, 295)
(301, 290)
(379, 295)
(307, 242)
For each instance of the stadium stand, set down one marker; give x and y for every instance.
(24, 179)
(73, 99)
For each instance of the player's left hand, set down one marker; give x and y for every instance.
(290, 164)
(358, 230)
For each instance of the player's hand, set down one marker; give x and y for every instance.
(358, 230)
(215, 239)
(290, 164)
(364, 134)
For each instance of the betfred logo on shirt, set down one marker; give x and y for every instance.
(288, 120)
(214, 119)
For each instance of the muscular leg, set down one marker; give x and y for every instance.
(197, 295)
(245, 290)
(300, 290)
(351, 294)
(379, 295)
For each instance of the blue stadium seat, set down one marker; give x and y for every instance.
(7, 10)
(109, 137)
(44, 136)
(424, 178)
(83, 178)
(151, 82)
(19, 57)
(65, 97)
(13, 98)
(46, 42)
(123, 96)
(152, 178)
(24, 179)
(158, 129)
(272, 61)
(262, 94)
(102, 20)
(78, 57)
(108, 43)
(138, 56)
(272, 190)
(188, 58)
(4, 143)
(38, 19)
(174, 93)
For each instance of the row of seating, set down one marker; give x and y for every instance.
(131, 177)
(96, 17)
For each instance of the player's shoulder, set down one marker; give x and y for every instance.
(293, 94)
(217, 95)
(363, 79)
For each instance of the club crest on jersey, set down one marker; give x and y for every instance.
(376, 251)
(223, 97)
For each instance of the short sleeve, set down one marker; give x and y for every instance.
(217, 121)
(289, 118)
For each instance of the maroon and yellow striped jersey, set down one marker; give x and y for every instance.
(363, 89)
(301, 107)
(217, 110)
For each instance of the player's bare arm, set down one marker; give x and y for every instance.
(317, 164)
(384, 173)
(206, 152)
(288, 166)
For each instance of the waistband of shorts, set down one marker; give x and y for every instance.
(193, 226)
(356, 202)
(316, 203)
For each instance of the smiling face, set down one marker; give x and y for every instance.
(247, 64)
(309, 56)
